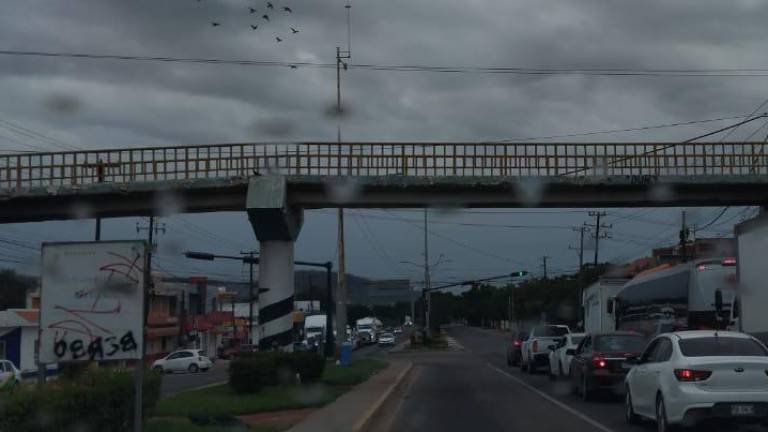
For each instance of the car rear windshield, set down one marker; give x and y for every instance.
(628, 343)
(721, 346)
(387, 335)
(550, 331)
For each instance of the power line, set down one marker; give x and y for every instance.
(710, 223)
(616, 72)
(458, 243)
(632, 129)
(471, 224)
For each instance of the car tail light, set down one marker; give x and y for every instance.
(535, 346)
(599, 362)
(518, 343)
(730, 261)
(689, 375)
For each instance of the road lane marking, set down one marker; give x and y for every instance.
(587, 419)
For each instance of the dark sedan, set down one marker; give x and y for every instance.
(514, 347)
(600, 362)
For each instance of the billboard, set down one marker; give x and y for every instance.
(92, 301)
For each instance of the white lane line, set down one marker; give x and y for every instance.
(589, 420)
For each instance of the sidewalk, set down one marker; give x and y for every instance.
(352, 411)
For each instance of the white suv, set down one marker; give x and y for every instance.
(183, 361)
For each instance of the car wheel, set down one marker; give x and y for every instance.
(586, 395)
(661, 416)
(193, 368)
(629, 410)
(158, 369)
(573, 387)
(531, 366)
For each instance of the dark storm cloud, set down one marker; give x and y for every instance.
(384, 105)
(117, 103)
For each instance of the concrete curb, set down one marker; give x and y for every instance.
(363, 423)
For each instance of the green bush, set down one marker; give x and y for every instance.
(98, 400)
(308, 365)
(248, 374)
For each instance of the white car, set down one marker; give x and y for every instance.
(559, 360)
(189, 360)
(386, 339)
(685, 377)
(10, 376)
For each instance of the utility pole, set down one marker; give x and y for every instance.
(427, 282)
(341, 285)
(341, 288)
(251, 298)
(580, 248)
(597, 236)
(544, 264)
(139, 370)
(684, 233)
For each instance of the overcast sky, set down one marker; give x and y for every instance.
(108, 103)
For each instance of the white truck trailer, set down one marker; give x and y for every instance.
(748, 313)
(597, 301)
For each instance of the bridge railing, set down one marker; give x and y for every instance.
(22, 171)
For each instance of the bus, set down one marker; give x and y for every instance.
(692, 295)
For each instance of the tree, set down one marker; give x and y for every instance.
(14, 288)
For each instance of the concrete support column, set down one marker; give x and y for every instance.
(276, 226)
(276, 305)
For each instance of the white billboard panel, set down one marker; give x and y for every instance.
(92, 301)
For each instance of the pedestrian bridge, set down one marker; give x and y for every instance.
(122, 182)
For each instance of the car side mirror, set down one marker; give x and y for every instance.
(570, 351)
(718, 301)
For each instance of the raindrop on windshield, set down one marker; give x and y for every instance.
(530, 191)
(342, 190)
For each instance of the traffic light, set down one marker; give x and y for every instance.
(520, 273)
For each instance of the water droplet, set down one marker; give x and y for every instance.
(168, 203)
(530, 190)
(342, 190)
(661, 192)
(63, 104)
(81, 210)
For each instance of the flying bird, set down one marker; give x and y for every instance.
(266, 17)
(270, 5)
(294, 67)
(254, 27)
(294, 31)
(252, 10)
(278, 39)
(287, 9)
(215, 24)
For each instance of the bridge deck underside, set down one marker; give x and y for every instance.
(229, 194)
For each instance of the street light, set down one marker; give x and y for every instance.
(249, 259)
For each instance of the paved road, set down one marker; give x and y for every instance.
(178, 382)
(378, 351)
(474, 390)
